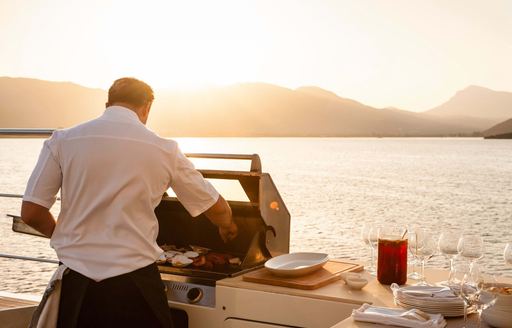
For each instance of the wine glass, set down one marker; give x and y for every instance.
(373, 239)
(412, 250)
(424, 245)
(507, 253)
(455, 281)
(365, 234)
(469, 290)
(471, 247)
(448, 241)
(414, 274)
(478, 289)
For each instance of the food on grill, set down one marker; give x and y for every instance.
(199, 261)
(217, 258)
(207, 265)
(199, 249)
(173, 248)
(234, 261)
(166, 247)
(161, 259)
(191, 254)
(170, 254)
(181, 261)
(200, 257)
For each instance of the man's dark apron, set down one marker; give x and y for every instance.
(134, 299)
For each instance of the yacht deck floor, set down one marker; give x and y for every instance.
(8, 302)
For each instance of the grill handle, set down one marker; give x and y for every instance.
(254, 158)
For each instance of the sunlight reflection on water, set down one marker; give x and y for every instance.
(330, 186)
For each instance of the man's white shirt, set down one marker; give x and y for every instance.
(112, 172)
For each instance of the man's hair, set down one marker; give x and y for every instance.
(130, 91)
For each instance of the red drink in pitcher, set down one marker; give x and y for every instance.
(392, 261)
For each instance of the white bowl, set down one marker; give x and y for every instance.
(354, 280)
(296, 264)
(497, 318)
(503, 300)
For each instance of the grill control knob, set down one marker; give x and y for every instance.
(194, 295)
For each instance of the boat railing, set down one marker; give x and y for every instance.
(15, 196)
(21, 257)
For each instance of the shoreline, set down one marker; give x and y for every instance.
(46, 132)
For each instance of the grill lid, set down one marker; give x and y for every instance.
(263, 221)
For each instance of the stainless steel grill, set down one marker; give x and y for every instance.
(264, 232)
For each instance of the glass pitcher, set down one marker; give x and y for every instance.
(392, 258)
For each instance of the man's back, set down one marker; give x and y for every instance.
(115, 174)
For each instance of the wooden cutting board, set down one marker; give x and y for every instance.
(328, 273)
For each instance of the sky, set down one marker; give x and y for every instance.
(408, 54)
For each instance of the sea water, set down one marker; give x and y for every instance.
(330, 186)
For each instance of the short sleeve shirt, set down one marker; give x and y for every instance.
(112, 172)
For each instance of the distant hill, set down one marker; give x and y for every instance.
(30, 103)
(477, 106)
(249, 109)
(501, 130)
(258, 109)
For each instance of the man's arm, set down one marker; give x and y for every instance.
(42, 187)
(38, 217)
(220, 214)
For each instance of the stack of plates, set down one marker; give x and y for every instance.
(430, 299)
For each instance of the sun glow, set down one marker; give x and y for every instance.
(377, 52)
(182, 45)
(184, 64)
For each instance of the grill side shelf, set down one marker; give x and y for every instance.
(19, 226)
(232, 175)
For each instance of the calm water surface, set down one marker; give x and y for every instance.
(331, 187)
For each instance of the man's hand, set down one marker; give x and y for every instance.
(220, 215)
(38, 217)
(228, 233)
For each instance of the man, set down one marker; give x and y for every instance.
(112, 172)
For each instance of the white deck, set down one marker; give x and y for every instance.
(16, 309)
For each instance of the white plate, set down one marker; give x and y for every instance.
(296, 264)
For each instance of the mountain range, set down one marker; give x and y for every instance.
(502, 130)
(476, 106)
(254, 109)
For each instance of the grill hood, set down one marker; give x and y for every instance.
(263, 221)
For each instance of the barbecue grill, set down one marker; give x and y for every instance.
(264, 231)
